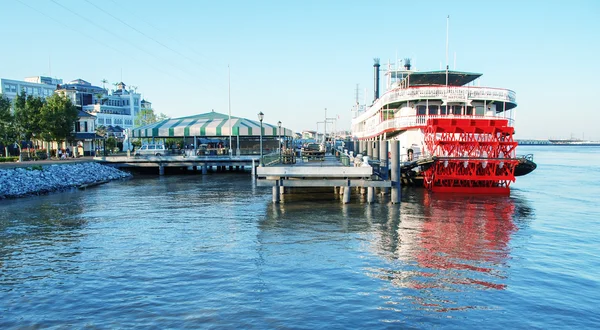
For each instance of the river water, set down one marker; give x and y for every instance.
(192, 251)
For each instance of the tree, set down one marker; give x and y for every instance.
(101, 131)
(27, 115)
(148, 116)
(8, 132)
(57, 118)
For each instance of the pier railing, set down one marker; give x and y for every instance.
(271, 159)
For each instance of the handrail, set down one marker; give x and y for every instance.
(452, 93)
(271, 159)
(406, 122)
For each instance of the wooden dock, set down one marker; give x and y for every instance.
(200, 163)
(325, 171)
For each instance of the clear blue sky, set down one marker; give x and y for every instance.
(293, 59)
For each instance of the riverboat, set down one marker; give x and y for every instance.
(464, 129)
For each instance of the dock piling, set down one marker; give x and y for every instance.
(276, 192)
(395, 166)
(346, 195)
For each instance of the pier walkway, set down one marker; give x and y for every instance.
(328, 171)
(202, 163)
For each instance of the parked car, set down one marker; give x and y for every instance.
(151, 150)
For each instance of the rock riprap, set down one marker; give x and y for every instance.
(27, 181)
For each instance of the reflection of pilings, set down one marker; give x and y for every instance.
(370, 195)
(204, 169)
(253, 168)
(346, 195)
(161, 170)
(276, 192)
(395, 166)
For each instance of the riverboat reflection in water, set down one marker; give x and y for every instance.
(213, 251)
(437, 248)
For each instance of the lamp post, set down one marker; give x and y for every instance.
(279, 138)
(260, 118)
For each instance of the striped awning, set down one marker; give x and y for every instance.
(208, 124)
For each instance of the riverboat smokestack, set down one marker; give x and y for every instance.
(407, 64)
(376, 71)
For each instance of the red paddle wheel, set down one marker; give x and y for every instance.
(473, 155)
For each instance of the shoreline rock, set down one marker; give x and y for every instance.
(35, 180)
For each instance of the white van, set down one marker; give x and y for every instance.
(151, 150)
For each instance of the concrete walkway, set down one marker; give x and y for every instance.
(46, 162)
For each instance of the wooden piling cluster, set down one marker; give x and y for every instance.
(331, 173)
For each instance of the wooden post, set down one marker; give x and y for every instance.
(276, 192)
(395, 165)
(370, 195)
(384, 164)
(346, 195)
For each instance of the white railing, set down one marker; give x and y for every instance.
(407, 122)
(452, 94)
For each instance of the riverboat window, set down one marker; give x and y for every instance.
(443, 110)
(479, 110)
(387, 114)
(433, 110)
(421, 110)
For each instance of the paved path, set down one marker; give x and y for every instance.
(46, 162)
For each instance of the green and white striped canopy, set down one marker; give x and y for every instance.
(207, 124)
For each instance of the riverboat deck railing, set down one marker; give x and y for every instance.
(406, 122)
(453, 93)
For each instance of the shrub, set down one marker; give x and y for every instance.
(10, 159)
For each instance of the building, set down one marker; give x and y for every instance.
(35, 86)
(44, 80)
(81, 92)
(119, 108)
(85, 134)
(210, 134)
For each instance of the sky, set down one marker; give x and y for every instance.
(294, 59)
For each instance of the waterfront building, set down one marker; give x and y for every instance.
(210, 133)
(36, 86)
(85, 134)
(119, 108)
(307, 135)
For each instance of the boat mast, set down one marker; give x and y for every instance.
(447, 25)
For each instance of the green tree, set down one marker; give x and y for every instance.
(101, 131)
(111, 144)
(27, 115)
(8, 132)
(148, 116)
(57, 119)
